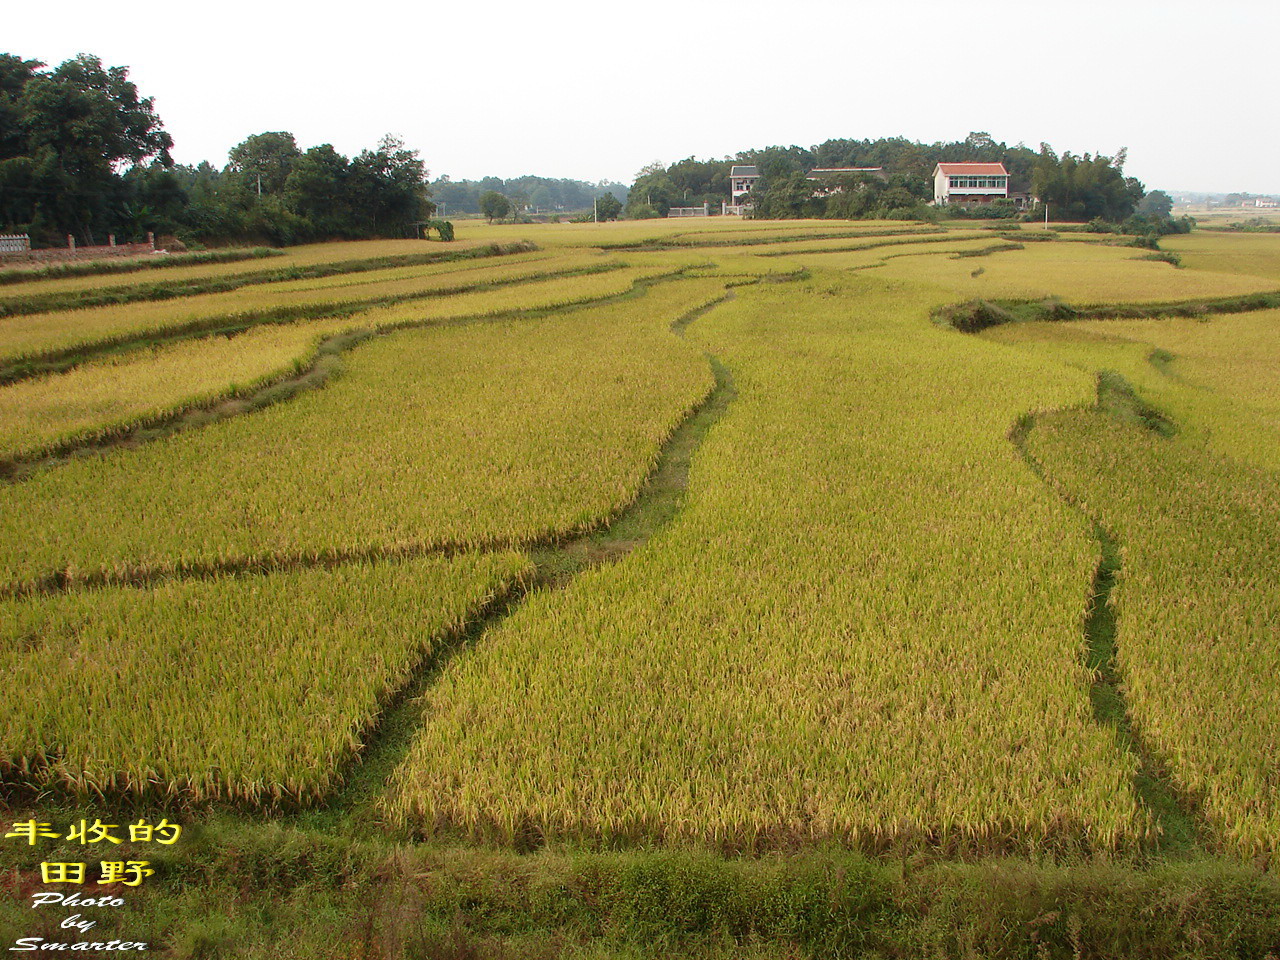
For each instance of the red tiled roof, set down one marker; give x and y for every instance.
(974, 169)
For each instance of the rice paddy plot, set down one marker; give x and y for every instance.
(309, 255)
(1081, 274)
(255, 688)
(1217, 377)
(865, 625)
(45, 334)
(111, 395)
(1196, 607)
(1250, 254)
(455, 436)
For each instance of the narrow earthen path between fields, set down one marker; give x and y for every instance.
(1178, 815)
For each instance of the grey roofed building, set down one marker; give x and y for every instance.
(741, 180)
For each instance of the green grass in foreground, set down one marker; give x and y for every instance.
(231, 890)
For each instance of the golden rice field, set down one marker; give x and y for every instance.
(1257, 254)
(463, 435)
(1197, 608)
(48, 333)
(255, 688)
(54, 410)
(306, 256)
(1218, 379)
(863, 622)
(853, 681)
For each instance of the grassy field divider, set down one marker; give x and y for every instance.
(973, 316)
(676, 243)
(1179, 816)
(301, 892)
(60, 360)
(93, 268)
(987, 251)
(41, 303)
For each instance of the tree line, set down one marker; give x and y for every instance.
(82, 153)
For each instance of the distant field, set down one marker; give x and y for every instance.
(666, 539)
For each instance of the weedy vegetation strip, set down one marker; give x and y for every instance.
(865, 625)
(253, 688)
(438, 438)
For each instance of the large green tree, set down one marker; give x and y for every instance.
(66, 136)
(389, 188)
(607, 207)
(494, 205)
(1085, 187)
(265, 160)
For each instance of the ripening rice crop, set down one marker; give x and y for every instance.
(256, 687)
(110, 395)
(1252, 254)
(310, 255)
(44, 334)
(933, 241)
(88, 401)
(864, 625)
(1219, 377)
(801, 230)
(663, 230)
(460, 435)
(1197, 607)
(548, 294)
(1081, 274)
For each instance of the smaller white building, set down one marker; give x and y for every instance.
(741, 180)
(970, 183)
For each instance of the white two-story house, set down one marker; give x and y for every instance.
(970, 183)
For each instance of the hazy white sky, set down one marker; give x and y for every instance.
(594, 90)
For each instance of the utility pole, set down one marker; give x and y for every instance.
(259, 184)
(1046, 216)
(595, 210)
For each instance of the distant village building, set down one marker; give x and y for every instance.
(970, 183)
(1265, 202)
(741, 180)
